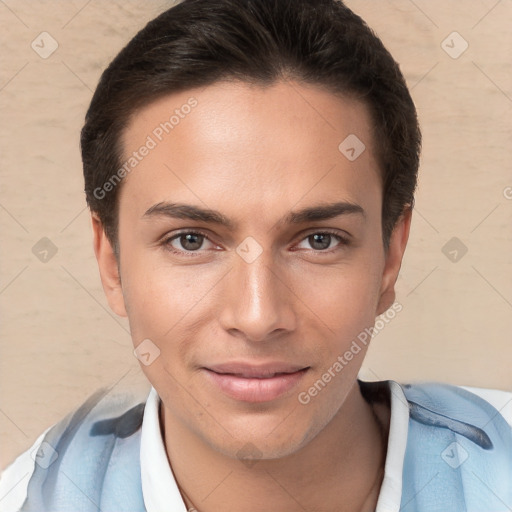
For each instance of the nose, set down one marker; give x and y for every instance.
(257, 300)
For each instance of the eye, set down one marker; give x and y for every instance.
(321, 241)
(190, 243)
(186, 242)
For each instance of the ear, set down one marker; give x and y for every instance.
(108, 266)
(393, 261)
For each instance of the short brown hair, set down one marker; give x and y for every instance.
(198, 42)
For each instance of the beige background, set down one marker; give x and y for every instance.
(59, 341)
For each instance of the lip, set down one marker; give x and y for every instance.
(255, 383)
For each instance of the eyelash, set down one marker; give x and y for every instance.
(166, 242)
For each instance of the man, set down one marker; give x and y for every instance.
(250, 167)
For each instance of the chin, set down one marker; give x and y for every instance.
(262, 442)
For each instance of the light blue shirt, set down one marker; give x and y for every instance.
(449, 449)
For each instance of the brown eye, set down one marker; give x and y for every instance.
(190, 241)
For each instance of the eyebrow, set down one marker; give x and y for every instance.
(309, 214)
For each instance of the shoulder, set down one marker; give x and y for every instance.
(465, 403)
(102, 425)
(15, 477)
(459, 441)
(499, 399)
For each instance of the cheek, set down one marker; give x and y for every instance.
(344, 295)
(344, 302)
(158, 297)
(142, 283)
(160, 302)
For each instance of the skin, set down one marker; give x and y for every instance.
(256, 154)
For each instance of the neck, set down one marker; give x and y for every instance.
(341, 469)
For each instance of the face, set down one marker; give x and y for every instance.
(251, 257)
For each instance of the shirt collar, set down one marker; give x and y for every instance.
(390, 495)
(161, 492)
(159, 486)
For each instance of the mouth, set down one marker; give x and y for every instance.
(255, 383)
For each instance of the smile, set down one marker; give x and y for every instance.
(254, 383)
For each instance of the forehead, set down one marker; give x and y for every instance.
(259, 145)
